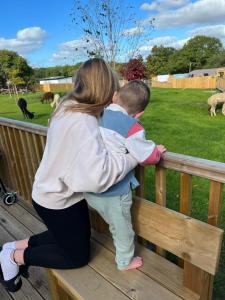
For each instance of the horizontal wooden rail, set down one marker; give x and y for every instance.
(29, 127)
(212, 170)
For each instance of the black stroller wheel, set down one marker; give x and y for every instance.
(9, 199)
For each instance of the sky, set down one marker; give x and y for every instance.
(43, 32)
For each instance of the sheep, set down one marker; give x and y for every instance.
(55, 101)
(47, 97)
(214, 100)
(22, 103)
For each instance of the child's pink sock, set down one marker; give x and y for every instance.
(135, 263)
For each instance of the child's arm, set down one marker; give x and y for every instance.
(145, 151)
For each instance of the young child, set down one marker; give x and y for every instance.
(123, 133)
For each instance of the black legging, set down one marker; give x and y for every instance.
(66, 243)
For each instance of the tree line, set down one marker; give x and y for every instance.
(197, 53)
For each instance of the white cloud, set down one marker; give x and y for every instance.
(72, 51)
(201, 12)
(27, 40)
(217, 31)
(160, 5)
(166, 41)
(132, 31)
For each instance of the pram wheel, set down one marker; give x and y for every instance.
(9, 198)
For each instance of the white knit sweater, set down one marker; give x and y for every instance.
(75, 160)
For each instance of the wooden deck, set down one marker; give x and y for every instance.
(18, 222)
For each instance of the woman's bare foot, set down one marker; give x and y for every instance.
(135, 263)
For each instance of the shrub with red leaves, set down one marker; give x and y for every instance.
(134, 69)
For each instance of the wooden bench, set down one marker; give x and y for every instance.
(195, 242)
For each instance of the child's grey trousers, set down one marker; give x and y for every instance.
(115, 210)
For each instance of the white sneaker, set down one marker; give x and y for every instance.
(10, 270)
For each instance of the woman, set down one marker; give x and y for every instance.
(74, 161)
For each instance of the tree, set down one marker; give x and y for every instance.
(216, 61)
(109, 29)
(157, 61)
(200, 49)
(195, 54)
(11, 64)
(66, 71)
(134, 69)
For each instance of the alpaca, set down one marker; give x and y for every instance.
(214, 100)
(55, 101)
(22, 103)
(47, 97)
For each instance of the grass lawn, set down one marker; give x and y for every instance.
(179, 119)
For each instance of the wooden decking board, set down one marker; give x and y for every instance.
(23, 216)
(11, 228)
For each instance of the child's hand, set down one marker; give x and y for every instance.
(161, 148)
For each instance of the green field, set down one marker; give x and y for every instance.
(179, 119)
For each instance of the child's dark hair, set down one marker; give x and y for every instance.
(134, 96)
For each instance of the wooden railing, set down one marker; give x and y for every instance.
(22, 146)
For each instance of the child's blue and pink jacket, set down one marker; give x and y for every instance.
(123, 133)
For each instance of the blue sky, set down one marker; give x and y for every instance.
(42, 30)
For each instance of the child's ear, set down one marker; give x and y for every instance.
(139, 114)
(115, 96)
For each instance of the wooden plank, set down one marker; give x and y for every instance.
(134, 284)
(27, 164)
(31, 150)
(20, 161)
(3, 293)
(4, 166)
(178, 234)
(53, 285)
(13, 157)
(37, 146)
(13, 226)
(185, 198)
(7, 156)
(215, 201)
(29, 208)
(160, 195)
(195, 166)
(185, 193)
(156, 267)
(196, 279)
(43, 140)
(160, 186)
(33, 224)
(140, 174)
(86, 283)
(30, 127)
(140, 191)
(28, 290)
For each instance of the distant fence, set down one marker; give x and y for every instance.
(56, 87)
(220, 84)
(61, 87)
(204, 82)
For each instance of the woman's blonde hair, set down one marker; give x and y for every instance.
(94, 86)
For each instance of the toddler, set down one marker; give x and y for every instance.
(122, 133)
